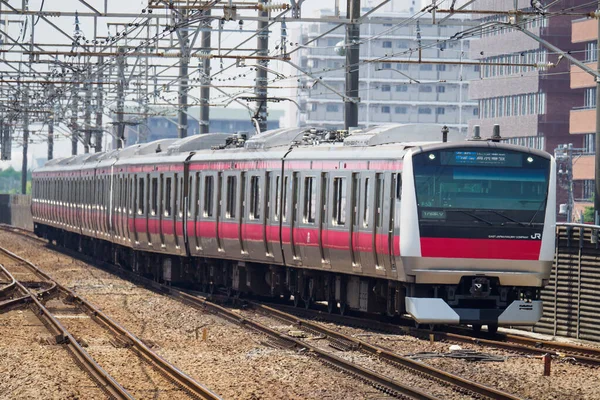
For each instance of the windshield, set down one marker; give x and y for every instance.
(504, 184)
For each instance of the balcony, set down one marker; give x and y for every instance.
(583, 168)
(581, 79)
(584, 31)
(582, 121)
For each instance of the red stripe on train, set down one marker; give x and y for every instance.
(481, 248)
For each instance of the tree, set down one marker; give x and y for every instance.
(588, 214)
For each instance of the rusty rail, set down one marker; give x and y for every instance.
(188, 384)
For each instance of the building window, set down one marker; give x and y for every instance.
(387, 44)
(402, 66)
(589, 143)
(476, 111)
(589, 98)
(401, 88)
(440, 110)
(333, 108)
(313, 107)
(440, 89)
(339, 201)
(588, 189)
(386, 65)
(385, 109)
(385, 88)
(424, 110)
(402, 44)
(426, 67)
(425, 89)
(400, 110)
(441, 67)
(591, 52)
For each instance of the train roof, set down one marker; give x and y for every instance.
(391, 140)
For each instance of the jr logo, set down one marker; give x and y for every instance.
(536, 236)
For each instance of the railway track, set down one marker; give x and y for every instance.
(181, 382)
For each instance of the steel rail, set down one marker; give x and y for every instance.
(82, 357)
(171, 372)
(389, 356)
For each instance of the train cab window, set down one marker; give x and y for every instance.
(310, 199)
(255, 197)
(398, 186)
(379, 199)
(231, 197)
(168, 197)
(153, 205)
(141, 197)
(339, 201)
(366, 204)
(208, 196)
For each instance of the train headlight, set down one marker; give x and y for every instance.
(432, 156)
(529, 159)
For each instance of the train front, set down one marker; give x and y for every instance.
(477, 233)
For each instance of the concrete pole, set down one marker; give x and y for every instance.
(597, 139)
(87, 118)
(352, 59)
(120, 98)
(100, 107)
(51, 137)
(182, 119)
(260, 86)
(25, 139)
(74, 109)
(205, 89)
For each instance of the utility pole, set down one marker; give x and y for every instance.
(184, 44)
(260, 87)
(74, 110)
(51, 136)
(205, 89)
(87, 116)
(25, 106)
(352, 59)
(597, 138)
(99, 108)
(120, 98)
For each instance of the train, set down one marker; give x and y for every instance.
(387, 219)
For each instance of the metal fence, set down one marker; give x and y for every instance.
(572, 302)
(15, 209)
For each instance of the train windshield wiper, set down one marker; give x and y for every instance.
(471, 215)
(507, 217)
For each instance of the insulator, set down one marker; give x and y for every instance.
(544, 65)
(273, 6)
(203, 55)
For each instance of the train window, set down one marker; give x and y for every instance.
(398, 186)
(379, 199)
(197, 195)
(168, 197)
(179, 198)
(284, 187)
(339, 201)
(153, 205)
(231, 199)
(310, 199)
(254, 197)
(189, 198)
(355, 197)
(268, 194)
(367, 204)
(277, 200)
(208, 196)
(141, 197)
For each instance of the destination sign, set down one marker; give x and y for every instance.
(487, 158)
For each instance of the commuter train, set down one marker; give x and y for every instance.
(381, 220)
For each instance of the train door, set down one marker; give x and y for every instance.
(197, 208)
(366, 236)
(294, 202)
(242, 213)
(178, 209)
(164, 209)
(218, 215)
(383, 200)
(127, 205)
(323, 220)
(354, 222)
(267, 222)
(207, 223)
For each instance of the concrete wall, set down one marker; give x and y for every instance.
(15, 209)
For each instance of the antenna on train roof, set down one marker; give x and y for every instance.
(476, 133)
(445, 134)
(496, 134)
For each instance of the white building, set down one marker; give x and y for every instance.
(389, 92)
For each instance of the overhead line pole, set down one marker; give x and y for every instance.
(352, 60)
(261, 73)
(205, 90)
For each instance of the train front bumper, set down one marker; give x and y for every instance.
(437, 311)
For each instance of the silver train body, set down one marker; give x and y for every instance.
(377, 221)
